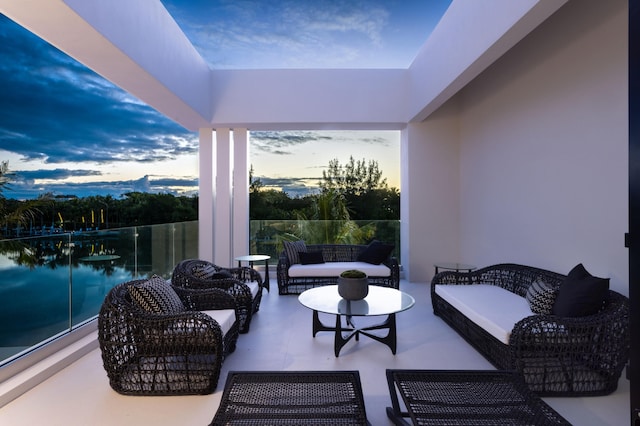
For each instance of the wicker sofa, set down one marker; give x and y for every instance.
(558, 356)
(335, 258)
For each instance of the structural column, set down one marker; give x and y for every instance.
(206, 195)
(240, 216)
(222, 208)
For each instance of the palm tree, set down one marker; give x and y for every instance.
(330, 222)
(25, 211)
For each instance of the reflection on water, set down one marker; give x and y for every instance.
(34, 303)
(51, 284)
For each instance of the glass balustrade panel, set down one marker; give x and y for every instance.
(51, 284)
(266, 236)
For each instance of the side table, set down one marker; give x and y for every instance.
(251, 258)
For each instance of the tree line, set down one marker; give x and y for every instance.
(353, 191)
(356, 186)
(54, 214)
(354, 205)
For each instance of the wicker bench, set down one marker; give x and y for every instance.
(332, 253)
(292, 398)
(557, 356)
(466, 398)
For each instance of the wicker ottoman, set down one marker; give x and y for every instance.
(292, 398)
(442, 397)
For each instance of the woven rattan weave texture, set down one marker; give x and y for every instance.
(164, 354)
(558, 356)
(200, 274)
(292, 398)
(475, 398)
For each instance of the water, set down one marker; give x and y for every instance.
(49, 285)
(34, 303)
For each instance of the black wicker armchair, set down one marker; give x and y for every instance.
(200, 274)
(558, 356)
(157, 341)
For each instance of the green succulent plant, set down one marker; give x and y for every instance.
(353, 273)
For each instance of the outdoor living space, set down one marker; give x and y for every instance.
(280, 339)
(514, 148)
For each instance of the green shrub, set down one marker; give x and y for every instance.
(353, 273)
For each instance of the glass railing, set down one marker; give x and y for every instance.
(266, 236)
(50, 285)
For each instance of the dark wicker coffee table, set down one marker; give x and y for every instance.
(292, 398)
(442, 397)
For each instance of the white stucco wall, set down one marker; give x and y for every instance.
(286, 99)
(544, 148)
(430, 201)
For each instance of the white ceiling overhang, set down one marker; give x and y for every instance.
(139, 47)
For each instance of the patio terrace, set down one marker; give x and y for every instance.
(502, 129)
(280, 339)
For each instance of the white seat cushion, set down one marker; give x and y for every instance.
(254, 287)
(224, 317)
(493, 308)
(333, 269)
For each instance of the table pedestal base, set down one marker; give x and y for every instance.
(344, 334)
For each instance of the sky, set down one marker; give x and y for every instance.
(232, 34)
(65, 130)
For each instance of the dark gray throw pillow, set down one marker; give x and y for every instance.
(292, 248)
(375, 253)
(580, 294)
(310, 257)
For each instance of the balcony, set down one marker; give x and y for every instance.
(512, 154)
(280, 339)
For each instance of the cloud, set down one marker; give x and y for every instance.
(56, 110)
(31, 175)
(278, 142)
(175, 182)
(294, 186)
(290, 33)
(27, 184)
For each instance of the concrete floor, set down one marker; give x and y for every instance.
(280, 339)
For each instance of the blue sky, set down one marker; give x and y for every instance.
(307, 33)
(66, 130)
